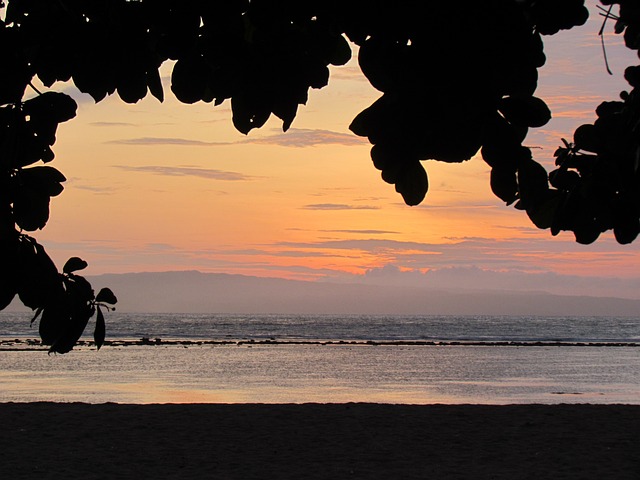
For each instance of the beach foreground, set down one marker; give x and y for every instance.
(319, 441)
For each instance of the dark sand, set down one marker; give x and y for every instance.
(312, 441)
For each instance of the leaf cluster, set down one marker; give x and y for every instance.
(27, 132)
(597, 182)
(450, 88)
(64, 302)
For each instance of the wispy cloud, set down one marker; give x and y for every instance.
(350, 73)
(167, 141)
(112, 124)
(184, 171)
(552, 255)
(98, 189)
(338, 206)
(99, 186)
(298, 138)
(362, 232)
(270, 252)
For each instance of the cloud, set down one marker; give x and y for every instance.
(101, 190)
(362, 232)
(300, 138)
(475, 278)
(297, 138)
(184, 171)
(255, 252)
(338, 206)
(77, 183)
(167, 141)
(520, 254)
(112, 124)
(160, 247)
(349, 73)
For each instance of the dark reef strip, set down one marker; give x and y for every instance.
(30, 344)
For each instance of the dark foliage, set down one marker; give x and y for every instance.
(455, 78)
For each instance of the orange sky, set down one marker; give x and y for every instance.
(155, 187)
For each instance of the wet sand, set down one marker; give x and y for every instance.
(318, 441)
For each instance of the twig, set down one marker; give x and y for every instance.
(607, 13)
(601, 34)
(36, 90)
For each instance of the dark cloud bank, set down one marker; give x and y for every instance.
(191, 291)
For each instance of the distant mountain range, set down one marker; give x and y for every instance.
(196, 292)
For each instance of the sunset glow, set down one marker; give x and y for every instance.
(155, 187)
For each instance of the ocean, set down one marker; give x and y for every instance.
(169, 358)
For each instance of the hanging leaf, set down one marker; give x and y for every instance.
(285, 111)
(39, 283)
(543, 212)
(154, 83)
(73, 329)
(189, 79)
(53, 322)
(74, 264)
(35, 317)
(134, 88)
(249, 113)
(532, 183)
(412, 183)
(8, 272)
(504, 184)
(100, 330)
(106, 295)
(31, 209)
(340, 51)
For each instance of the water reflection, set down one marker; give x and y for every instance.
(316, 373)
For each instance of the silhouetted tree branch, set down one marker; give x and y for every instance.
(456, 78)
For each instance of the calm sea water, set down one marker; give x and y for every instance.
(538, 370)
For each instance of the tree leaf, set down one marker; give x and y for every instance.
(155, 84)
(46, 180)
(73, 329)
(54, 320)
(525, 111)
(31, 209)
(106, 295)
(134, 88)
(248, 114)
(533, 183)
(587, 137)
(100, 331)
(53, 107)
(543, 212)
(189, 79)
(285, 111)
(412, 183)
(74, 264)
(39, 283)
(9, 271)
(37, 314)
(504, 184)
(340, 51)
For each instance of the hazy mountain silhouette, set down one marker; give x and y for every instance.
(193, 291)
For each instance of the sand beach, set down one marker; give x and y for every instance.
(319, 441)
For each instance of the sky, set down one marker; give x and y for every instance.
(164, 187)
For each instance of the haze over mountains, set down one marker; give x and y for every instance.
(196, 292)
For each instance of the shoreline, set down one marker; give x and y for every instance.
(320, 441)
